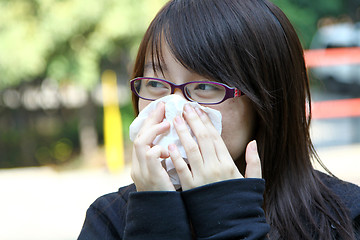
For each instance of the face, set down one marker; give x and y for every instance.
(238, 115)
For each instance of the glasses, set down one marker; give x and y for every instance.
(203, 92)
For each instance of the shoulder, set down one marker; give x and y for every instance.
(115, 198)
(106, 215)
(349, 193)
(111, 204)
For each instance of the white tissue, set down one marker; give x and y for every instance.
(174, 105)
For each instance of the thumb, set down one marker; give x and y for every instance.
(253, 165)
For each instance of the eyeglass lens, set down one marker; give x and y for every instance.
(202, 92)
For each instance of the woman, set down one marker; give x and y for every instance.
(249, 45)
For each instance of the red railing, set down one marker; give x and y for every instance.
(330, 57)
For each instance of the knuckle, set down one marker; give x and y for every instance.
(202, 135)
(181, 169)
(229, 168)
(216, 172)
(151, 181)
(181, 129)
(192, 148)
(133, 175)
(137, 143)
(149, 154)
(218, 141)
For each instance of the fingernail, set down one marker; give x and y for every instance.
(188, 108)
(179, 120)
(253, 146)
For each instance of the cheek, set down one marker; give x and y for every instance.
(142, 104)
(238, 126)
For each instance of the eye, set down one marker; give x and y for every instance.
(155, 84)
(206, 87)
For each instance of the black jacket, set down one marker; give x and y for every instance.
(224, 210)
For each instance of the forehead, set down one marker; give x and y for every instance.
(159, 59)
(162, 54)
(154, 55)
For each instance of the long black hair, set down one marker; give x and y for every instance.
(251, 45)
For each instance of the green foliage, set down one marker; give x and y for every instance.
(304, 14)
(74, 41)
(127, 116)
(66, 39)
(38, 139)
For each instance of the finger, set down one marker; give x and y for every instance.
(156, 171)
(135, 167)
(181, 167)
(156, 116)
(220, 148)
(191, 147)
(202, 134)
(143, 144)
(151, 128)
(153, 157)
(149, 134)
(150, 174)
(222, 152)
(144, 141)
(207, 121)
(253, 164)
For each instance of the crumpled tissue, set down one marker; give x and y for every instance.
(174, 105)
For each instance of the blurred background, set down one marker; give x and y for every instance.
(65, 103)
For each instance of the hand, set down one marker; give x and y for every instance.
(209, 159)
(147, 171)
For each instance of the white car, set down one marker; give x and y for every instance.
(338, 36)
